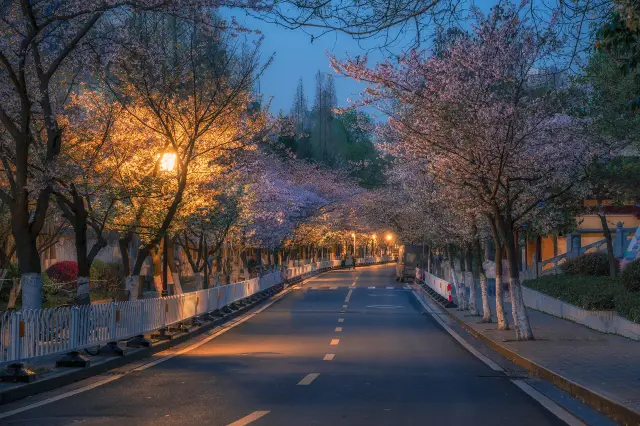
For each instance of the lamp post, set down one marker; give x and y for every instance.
(353, 235)
(167, 164)
(389, 237)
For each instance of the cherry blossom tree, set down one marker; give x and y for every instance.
(483, 125)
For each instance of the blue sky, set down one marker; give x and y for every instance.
(297, 57)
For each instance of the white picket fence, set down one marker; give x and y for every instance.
(34, 333)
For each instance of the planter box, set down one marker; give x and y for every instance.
(604, 321)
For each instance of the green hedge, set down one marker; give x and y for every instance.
(596, 264)
(630, 276)
(589, 292)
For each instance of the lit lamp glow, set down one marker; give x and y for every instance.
(168, 161)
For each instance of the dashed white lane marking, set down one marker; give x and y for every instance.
(348, 296)
(249, 419)
(389, 288)
(371, 288)
(308, 379)
(344, 306)
(547, 403)
(338, 329)
(385, 306)
(334, 342)
(340, 319)
(333, 288)
(329, 357)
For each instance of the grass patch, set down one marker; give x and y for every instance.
(591, 293)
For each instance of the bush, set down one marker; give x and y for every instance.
(592, 293)
(630, 276)
(587, 292)
(628, 304)
(594, 264)
(104, 274)
(63, 272)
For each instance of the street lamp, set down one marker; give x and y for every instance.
(353, 235)
(167, 164)
(389, 237)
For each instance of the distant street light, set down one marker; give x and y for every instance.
(353, 235)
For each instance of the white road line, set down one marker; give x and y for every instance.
(338, 329)
(250, 418)
(460, 340)
(334, 342)
(228, 326)
(343, 311)
(389, 288)
(340, 319)
(348, 296)
(547, 403)
(344, 306)
(329, 357)
(333, 288)
(371, 288)
(308, 379)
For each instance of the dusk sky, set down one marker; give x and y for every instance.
(296, 56)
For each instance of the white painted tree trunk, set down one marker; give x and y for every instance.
(520, 317)
(470, 281)
(503, 324)
(486, 308)
(199, 280)
(83, 295)
(157, 283)
(131, 285)
(177, 286)
(458, 286)
(31, 284)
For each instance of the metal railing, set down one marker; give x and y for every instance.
(40, 332)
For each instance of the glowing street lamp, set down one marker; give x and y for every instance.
(167, 164)
(168, 161)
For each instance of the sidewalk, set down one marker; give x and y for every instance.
(602, 364)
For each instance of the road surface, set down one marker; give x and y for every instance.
(346, 348)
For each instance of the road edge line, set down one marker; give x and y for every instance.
(540, 398)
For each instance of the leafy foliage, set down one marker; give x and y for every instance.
(630, 276)
(63, 272)
(592, 264)
(587, 292)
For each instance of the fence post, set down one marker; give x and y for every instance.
(16, 333)
(74, 327)
(113, 327)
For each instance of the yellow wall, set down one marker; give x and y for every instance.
(593, 222)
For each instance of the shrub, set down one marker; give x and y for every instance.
(105, 273)
(63, 272)
(594, 264)
(587, 292)
(630, 276)
(628, 304)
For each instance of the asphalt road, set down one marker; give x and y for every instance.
(329, 353)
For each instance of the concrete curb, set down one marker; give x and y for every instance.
(603, 404)
(76, 374)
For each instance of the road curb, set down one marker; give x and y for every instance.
(601, 403)
(74, 375)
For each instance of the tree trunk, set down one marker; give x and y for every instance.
(156, 260)
(470, 281)
(198, 280)
(503, 324)
(520, 317)
(123, 244)
(456, 285)
(175, 276)
(486, 308)
(14, 293)
(462, 286)
(613, 262)
(29, 261)
(133, 285)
